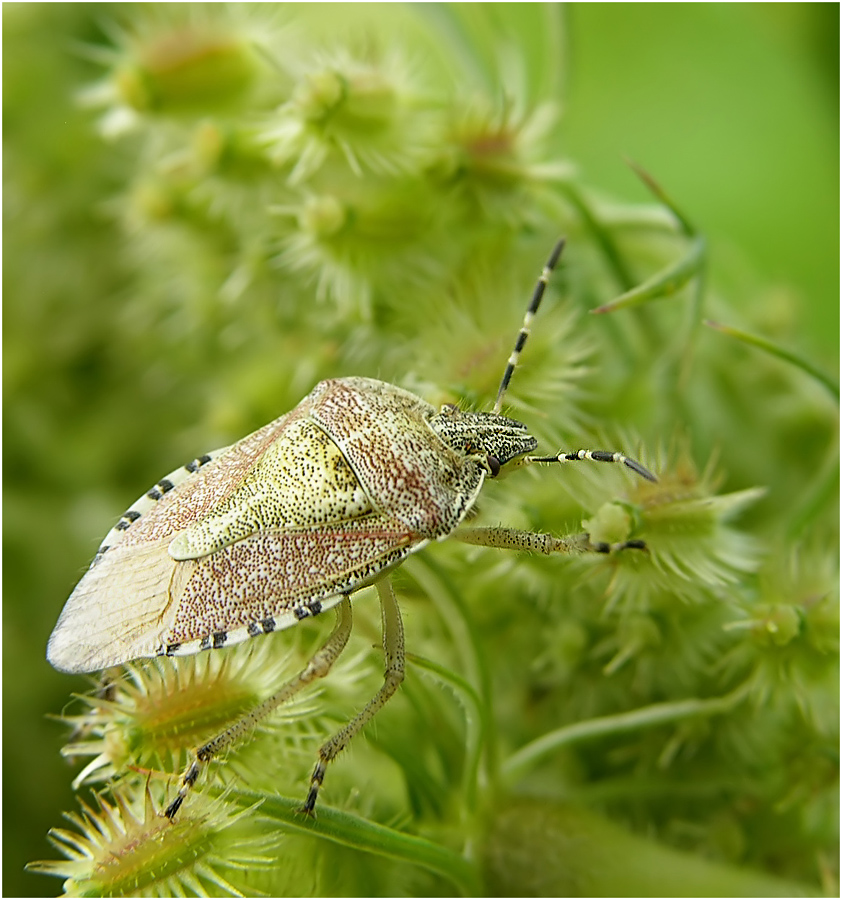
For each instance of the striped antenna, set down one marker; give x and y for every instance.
(609, 456)
(523, 334)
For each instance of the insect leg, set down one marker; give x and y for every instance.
(318, 667)
(533, 542)
(393, 651)
(611, 456)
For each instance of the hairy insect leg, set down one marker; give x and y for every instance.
(534, 542)
(317, 667)
(393, 651)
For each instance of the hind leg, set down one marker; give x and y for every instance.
(318, 667)
(393, 651)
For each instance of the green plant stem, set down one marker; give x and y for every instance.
(352, 831)
(646, 717)
(476, 724)
(601, 235)
(537, 848)
(822, 493)
(665, 283)
(781, 353)
(687, 227)
(430, 577)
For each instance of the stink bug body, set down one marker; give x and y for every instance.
(290, 521)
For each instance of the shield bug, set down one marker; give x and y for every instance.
(293, 519)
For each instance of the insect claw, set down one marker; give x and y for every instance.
(308, 808)
(187, 781)
(605, 547)
(316, 780)
(634, 545)
(174, 807)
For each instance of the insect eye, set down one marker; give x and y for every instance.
(493, 465)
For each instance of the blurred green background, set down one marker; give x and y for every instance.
(734, 108)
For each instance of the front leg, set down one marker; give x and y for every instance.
(533, 542)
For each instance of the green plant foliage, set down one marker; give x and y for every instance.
(261, 196)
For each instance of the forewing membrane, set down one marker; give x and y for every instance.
(139, 601)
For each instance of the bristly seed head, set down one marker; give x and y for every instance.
(124, 847)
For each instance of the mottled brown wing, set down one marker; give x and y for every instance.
(273, 579)
(138, 601)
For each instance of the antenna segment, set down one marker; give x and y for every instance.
(523, 334)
